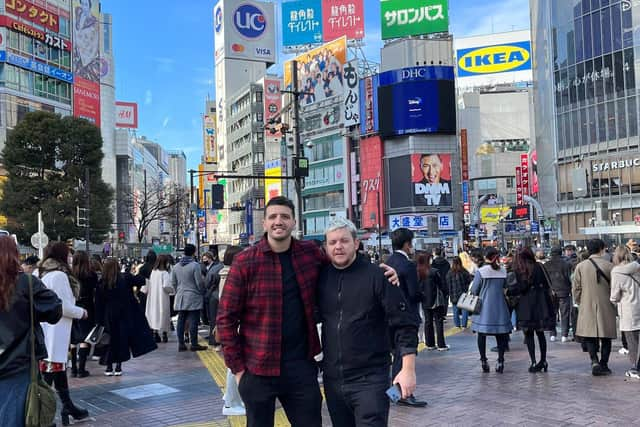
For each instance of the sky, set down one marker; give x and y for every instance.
(164, 57)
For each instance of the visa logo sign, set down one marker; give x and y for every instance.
(501, 58)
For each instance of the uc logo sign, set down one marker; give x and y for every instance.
(494, 59)
(218, 20)
(249, 21)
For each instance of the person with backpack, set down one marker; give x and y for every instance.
(435, 297)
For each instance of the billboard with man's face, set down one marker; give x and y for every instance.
(431, 179)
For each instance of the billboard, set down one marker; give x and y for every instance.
(351, 98)
(371, 182)
(525, 177)
(403, 18)
(426, 106)
(33, 13)
(494, 214)
(320, 72)
(272, 187)
(301, 22)
(501, 58)
(86, 60)
(272, 105)
(342, 18)
(126, 115)
(209, 136)
(431, 179)
(51, 40)
(533, 162)
(369, 105)
(244, 30)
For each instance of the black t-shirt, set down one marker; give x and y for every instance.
(294, 329)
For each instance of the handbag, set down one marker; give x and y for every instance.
(552, 295)
(471, 303)
(40, 406)
(98, 336)
(512, 300)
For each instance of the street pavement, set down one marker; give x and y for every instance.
(167, 388)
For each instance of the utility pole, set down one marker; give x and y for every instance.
(298, 150)
(87, 192)
(177, 219)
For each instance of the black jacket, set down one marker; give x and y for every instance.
(430, 286)
(15, 325)
(408, 275)
(559, 271)
(442, 265)
(357, 306)
(535, 309)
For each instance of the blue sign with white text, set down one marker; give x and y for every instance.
(38, 67)
(301, 22)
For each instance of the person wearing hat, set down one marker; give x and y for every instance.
(559, 271)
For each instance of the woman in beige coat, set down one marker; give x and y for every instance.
(597, 316)
(625, 290)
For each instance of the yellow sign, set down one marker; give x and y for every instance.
(210, 146)
(494, 59)
(272, 187)
(3, 219)
(493, 215)
(201, 186)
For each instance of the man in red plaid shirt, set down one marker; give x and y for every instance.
(270, 357)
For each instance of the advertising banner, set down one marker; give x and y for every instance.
(524, 171)
(301, 22)
(426, 72)
(86, 100)
(533, 163)
(126, 115)
(245, 30)
(403, 18)
(38, 67)
(209, 136)
(51, 40)
(33, 13)
(426, 106)
(464, 154)
(369, 105)
(248, 209)
(502, 58)
(272, 187)
(371, 181)
(351, 97)
(431, 179)
(342, 18)
(494, 214)
(420, 222)
(320, 72)
(519, 213)
(272, 105)
(519, 200)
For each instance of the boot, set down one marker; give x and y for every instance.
(74, 366)
(165, 338)
(83, 353)
(69, 410)
(156, 337)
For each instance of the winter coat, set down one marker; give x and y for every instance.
(559, 271)
(442, 265)
(158, 308)
(457, 284)
(535, 310)
(86, 300)
(58, 337)
(626, 291)
(15, 325)
(122, 317)
(408, 275)
(430, 286)
(597, 315)
(186, 279)
(212, 281)
(494, 317)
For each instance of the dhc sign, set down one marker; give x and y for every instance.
(501, 58)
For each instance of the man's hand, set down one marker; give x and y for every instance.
(406, 378)
(391, 274)
(239, 376)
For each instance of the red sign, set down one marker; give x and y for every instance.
(342, 18)
(464, 154)
(272, 107)
(533, 159)
(52, 40)
(126, 115)
(86, 100)
(33, 13)
(518, 186)
(372, 182)
(524, 171)
(369, 119)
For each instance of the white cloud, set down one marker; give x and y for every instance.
(164, 64)
(165, 122)
(148, 97)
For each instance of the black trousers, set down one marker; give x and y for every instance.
(296, 388)
(603, 345)
(360, 401)
(434, 315)
(564, 306)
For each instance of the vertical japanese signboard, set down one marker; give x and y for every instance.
(403, 18)
(301, 22)
(342, 18)
(352, 93)
(209, 135)
(272, 106)
(464, 157)
(518, 186)
(369, 105)
(524, 172)
(86, 60)
(371, 182)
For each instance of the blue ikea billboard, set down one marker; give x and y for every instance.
(502, 58)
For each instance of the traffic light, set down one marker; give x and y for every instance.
(217, 196)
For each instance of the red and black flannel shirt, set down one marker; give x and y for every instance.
(250, 319)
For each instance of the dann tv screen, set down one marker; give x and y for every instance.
(410, 107)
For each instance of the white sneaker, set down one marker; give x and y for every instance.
(632, 373)
(108, 373)
(565, 339)
(623, 351)
(445, 348)
(553, 338)
(233, 410)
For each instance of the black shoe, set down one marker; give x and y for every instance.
(198, 347)
(73, 412)
(534, 367)
(164, 337)
(156, 337)
(604, 368)
(596, 370)
(412, 401)
(485, 366)
(182, 347)
(500, 367)
(83, 374)
(542, 366)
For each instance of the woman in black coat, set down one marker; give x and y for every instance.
(81, 269)
(534, 311)
(122, 317)
(435, 298)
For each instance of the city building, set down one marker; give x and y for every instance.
(586, 115)
(178, 168)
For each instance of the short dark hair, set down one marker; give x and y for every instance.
(438, 251)
(594, 246)
(230, 253)
(570, 248)
(281, 201)
(556, 250)
(399, 237)
(189, 249)
(31, 260)
(151, 257)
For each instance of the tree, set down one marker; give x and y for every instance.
(46, 157)
(154, 201)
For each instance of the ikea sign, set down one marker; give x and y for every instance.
(502, 58)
